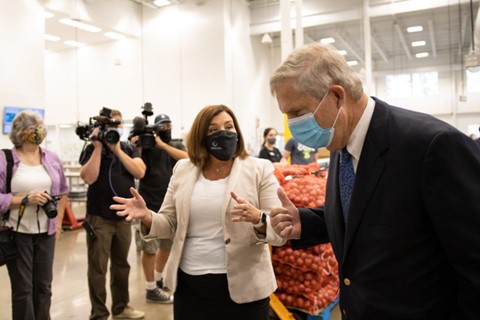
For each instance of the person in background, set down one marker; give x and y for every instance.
(402, 210)
(34, 171)
(160, 160)
(269, 151)
(109, 169)
(299, 153)
(220, 265)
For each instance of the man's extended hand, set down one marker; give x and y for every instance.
(286, 220)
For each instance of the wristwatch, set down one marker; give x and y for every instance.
(24, 200)
(263, 219)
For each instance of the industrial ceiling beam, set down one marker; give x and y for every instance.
(346, 44)
(431, 32)
(379, 50)
(402, 40)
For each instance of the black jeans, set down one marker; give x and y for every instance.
(206, 297)
(31, 276)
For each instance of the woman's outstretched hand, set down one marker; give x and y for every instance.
(244, 211)
(132, 208)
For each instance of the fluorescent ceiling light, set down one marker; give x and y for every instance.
(342, 52)
(50, 37)
(327, 40)
(422, 55)
(418, 43)
(414, 29)
(65, 126)
(161, 3)
(352, 62)
(80, 25)
(47, 15)
(114, 35)
(74, 43)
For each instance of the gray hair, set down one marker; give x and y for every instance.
(313, 68)
(22, 121)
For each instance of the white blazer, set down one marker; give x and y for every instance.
(249, 267)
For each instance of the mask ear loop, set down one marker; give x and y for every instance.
(321, 101)
(336, 118)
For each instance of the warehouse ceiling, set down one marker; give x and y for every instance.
(447, 29)
(446, 36)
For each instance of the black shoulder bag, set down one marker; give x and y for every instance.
(8, 249)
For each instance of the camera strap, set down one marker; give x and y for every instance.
(21, 211)
(110, 175)
(9, 157)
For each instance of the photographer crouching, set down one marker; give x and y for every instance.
(109, 167)
(160, 155)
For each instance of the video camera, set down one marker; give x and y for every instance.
(145, 132)
(84, 131)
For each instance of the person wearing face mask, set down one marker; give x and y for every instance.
(109, 170)
(217, 210)
(404, 225)
(160, 161)
(269, 151)
(37, 176)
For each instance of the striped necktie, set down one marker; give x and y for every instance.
(347, 179)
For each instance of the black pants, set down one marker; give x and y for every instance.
(31, 276)
(206, 297)
(112, 243)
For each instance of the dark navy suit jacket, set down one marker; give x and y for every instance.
(411, 249)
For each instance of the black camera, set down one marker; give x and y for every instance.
(50, 207)
(111, 136)
(144, 131)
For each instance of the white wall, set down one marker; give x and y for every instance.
(189, 56)
(21, 57)
(447, 105)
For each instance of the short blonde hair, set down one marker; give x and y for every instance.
(197, 136)
(22, 121)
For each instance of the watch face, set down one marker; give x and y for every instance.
(264, 217)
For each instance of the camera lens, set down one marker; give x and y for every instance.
(112, 136)
(50, 209)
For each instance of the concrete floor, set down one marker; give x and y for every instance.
(70, 291)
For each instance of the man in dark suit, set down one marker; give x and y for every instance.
(406, 233)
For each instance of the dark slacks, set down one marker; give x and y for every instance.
(206, 297)
(112, 242)
(31, 276)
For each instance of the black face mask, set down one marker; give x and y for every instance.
(222, 144)
(166, 136)
(272, 140)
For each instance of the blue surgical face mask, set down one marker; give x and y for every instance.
(306, 130)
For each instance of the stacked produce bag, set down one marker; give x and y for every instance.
(307, 278)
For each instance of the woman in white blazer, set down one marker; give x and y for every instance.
(217, 211)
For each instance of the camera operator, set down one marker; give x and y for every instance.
(160, 161)
(109, 169)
